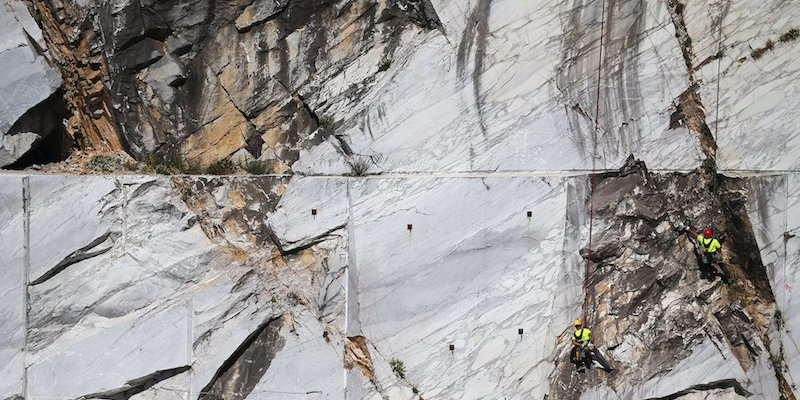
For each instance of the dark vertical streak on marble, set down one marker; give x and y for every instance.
(475, 35)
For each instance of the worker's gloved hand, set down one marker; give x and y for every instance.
(590, 346)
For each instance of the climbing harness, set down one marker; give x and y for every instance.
(586, 312)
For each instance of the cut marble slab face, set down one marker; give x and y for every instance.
(140, 307)
(512, 87)
(775, 215)
(709, 362)
(792, 273)
(12, 284)
(309, 365)
(471, 271)
(61, 234)
(310, 210)
(758, 98)
(109, 353)
(111, 316)
(707, 373)
(161, 300)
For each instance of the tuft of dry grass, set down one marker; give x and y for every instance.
(792, 35)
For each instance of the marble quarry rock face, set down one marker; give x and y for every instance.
(429, 85)
(154, 287)
(423, 230)
(27, 84)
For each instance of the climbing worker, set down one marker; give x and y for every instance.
(708, 254)
(584, 351)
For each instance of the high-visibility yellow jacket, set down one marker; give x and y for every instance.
(582, 335)
(709, 245)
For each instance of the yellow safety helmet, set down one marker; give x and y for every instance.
(577, 322)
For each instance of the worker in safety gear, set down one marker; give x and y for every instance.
(708, 254)
(584, 351)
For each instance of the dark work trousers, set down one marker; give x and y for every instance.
(707, 261)
(596, 355)
(586, 362)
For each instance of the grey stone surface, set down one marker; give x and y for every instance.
(164, 75)
(775, 212)
(12, 290)
(180, 292)
(293, 223)
(159, 297)
(757, 97)
(177, 280)
(81, 224)
(259, 12)
(27, 80)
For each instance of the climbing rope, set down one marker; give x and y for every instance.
(716, 118)
(594, 160)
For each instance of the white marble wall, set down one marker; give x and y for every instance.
(473, 269)
(758, 99)
(12, 285)
(775, 215)
(498, 89)
(162, 297)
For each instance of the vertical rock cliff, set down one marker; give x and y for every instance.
(420, 227)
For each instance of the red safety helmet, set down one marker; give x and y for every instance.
(707, 233)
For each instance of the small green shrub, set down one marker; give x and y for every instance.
(398, 368)
(103, 163)
(162, 169)
(326, 122)
(359, 166)
(255, 167)
(778, 319)
(385, 63)
(132, 165)
(295, 299)
(325, 335)
(221, 167)
(793, 34)
(183, 165)
(678, 6)
(737, 292)
(758, 53)
(709, 166)
(152, 164)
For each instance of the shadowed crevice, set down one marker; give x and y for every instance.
(294, 247)
(242, 371)
(138, 385)
(722, 384)
(81, 254)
